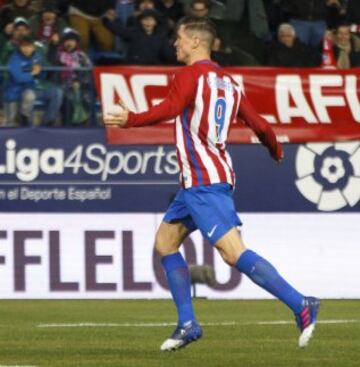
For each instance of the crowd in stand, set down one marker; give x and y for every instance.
(77, 34)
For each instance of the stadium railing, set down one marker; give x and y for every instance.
(63, 119)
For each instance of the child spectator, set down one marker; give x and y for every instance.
(26, 83)
(21, 29)
(147, 40)
(76, 84)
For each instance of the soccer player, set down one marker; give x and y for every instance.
(205, 100)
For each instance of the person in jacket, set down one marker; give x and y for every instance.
(25, 84)
(288, 51)
(346, 47)
(21, 29)
(148, 42)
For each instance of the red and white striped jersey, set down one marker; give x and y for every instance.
(205, 101)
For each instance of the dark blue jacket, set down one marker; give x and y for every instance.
(144, 49)
(20, 77)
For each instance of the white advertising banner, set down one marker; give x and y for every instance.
(99, 255)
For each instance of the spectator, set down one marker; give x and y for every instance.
(76, 84)
(38, 4)
(172, 10)
(308, 17)
(26, 83)
(288, 51)
(346, 47)
(47, 26)
(200, 8)
(148, 43)
(141, 6)
(86, 18)
(15, 9)
(21, 28)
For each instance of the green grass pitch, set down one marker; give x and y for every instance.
(233, 335)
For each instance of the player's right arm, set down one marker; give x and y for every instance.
(182, 92)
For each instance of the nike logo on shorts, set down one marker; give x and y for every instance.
(212, 231)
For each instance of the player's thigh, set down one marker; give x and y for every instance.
(231, 246)
(169, 237)
(212, 210)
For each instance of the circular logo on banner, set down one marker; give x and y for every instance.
(329, 174)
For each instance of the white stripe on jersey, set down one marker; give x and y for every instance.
(186, 171)
(229, 163)
(195, 126)
(212, 136)
(230, 100)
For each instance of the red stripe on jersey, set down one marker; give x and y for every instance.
(199, 163)
(222, 155)
(237, 97)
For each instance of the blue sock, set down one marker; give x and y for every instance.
(266, 276)
(178, 277)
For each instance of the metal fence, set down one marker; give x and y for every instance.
(87, 112)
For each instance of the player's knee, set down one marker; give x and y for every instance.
(229, 258)
(231, 254)
(164, 245)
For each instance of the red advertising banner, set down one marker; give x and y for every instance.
(303, 105)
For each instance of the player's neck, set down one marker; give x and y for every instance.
(198, 57)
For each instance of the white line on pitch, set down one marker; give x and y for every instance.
(1, 365)
(165, 324)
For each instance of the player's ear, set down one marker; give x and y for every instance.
(195, 42)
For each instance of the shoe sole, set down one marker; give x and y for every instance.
(306, 335)
(308, 332)
(179, 346)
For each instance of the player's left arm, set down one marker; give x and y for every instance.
(261, 128)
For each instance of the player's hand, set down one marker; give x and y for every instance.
(277, 154)
(118, 119)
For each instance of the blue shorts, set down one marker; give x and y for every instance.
(208, 208)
